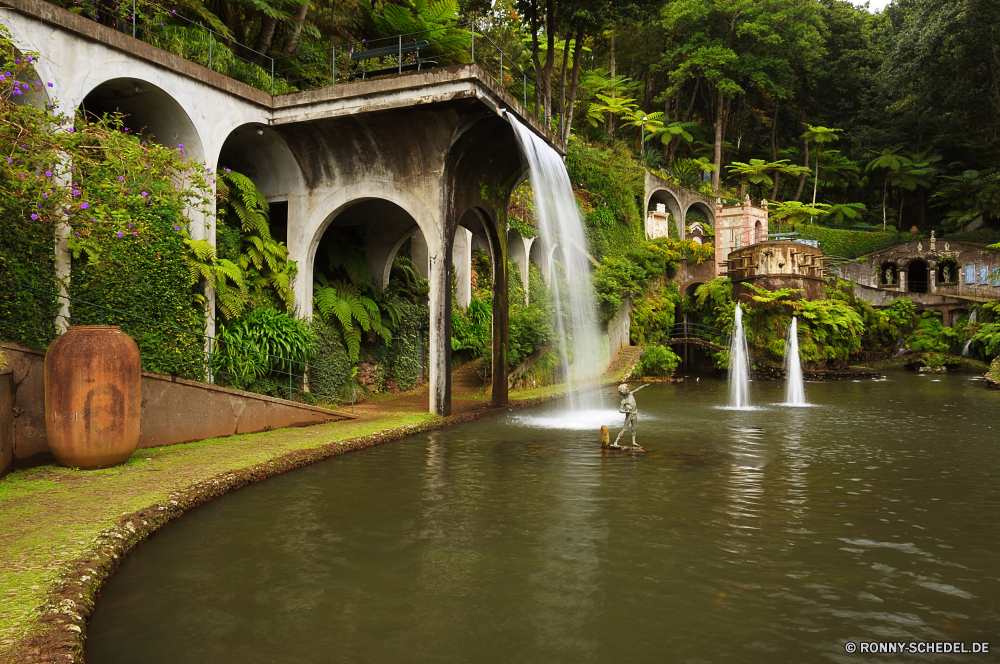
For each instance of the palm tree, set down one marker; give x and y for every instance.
(888, 162)
(820, 136)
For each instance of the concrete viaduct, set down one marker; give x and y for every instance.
(409, 156)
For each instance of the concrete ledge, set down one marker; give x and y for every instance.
(174, 410)
(67, 20)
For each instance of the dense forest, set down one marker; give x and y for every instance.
(834, 112)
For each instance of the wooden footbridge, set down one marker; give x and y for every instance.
(695, 334)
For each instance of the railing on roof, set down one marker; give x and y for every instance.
(317, 68)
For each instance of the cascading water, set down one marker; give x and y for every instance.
(559, 221)
(968, 342)
(739, 366)
(795, 393)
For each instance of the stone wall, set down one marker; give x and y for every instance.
(6, 420)
(174, 410)
(619, 330)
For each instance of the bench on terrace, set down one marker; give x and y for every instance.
(399, 51)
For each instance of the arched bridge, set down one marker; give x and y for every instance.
(695, 334)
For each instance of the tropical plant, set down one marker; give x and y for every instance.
(656, 361)
(341, 301)
(610, 107)
(820, 136)
(841, 212)
(263, 260)
(262, 343)
(795, 212)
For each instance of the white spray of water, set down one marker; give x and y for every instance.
(968, 342)
(739, 366)
(795, 392)
(583, 350)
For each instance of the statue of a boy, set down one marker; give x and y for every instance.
(631, 411)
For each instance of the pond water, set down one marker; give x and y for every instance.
(773, 535)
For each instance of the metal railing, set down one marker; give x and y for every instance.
(41, 315)
(707, 333)
(331, 64)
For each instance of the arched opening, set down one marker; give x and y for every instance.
(703, 214)
(757, 232)
(372, 256)
(888, 274)
(516, 254)
(148, 110)
(917, 276)
(947, 272)
(664, 217)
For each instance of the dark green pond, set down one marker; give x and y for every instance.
(776, 535)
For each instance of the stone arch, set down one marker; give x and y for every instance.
(672, 204)
(261, 153)
(917, 276)
(758, 231)
(43, 68)
(702, 210)
(888, 274)
(304, 238)
(152, 105)
(947, 271)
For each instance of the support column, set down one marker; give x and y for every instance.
(439, 375)
(461, 260)
(501, 338)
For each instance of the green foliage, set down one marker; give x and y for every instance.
(123, 199)
(262, 349)
(341, 302)
(985, 332)
(656, 361)
(849, 244)
(472, 327)
(617, 278)
(931, 336)
(653, 315)
(526, 230)
(264, 261)
(398, 363)
(329, 364)
(612, 187)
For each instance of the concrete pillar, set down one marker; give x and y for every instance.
(931, 276)
(461, 259)
(501, 337)
(419, 255)
(439, 346)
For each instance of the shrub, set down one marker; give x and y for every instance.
(261, 349)
(653, 315)
(931, 336)
(658, 361)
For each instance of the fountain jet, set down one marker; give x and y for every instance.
(739, 366)
(795, 393)
(583, 351)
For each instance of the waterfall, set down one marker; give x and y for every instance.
(739, 366)
(558, 217)
(968, 342)
(795, 393)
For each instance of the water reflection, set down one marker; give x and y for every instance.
(773, 535)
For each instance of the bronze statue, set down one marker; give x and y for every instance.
(631, 412)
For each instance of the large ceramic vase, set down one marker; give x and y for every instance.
(93, 396)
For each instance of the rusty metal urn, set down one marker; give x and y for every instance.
(93, 396)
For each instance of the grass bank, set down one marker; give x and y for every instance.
(63, 532)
